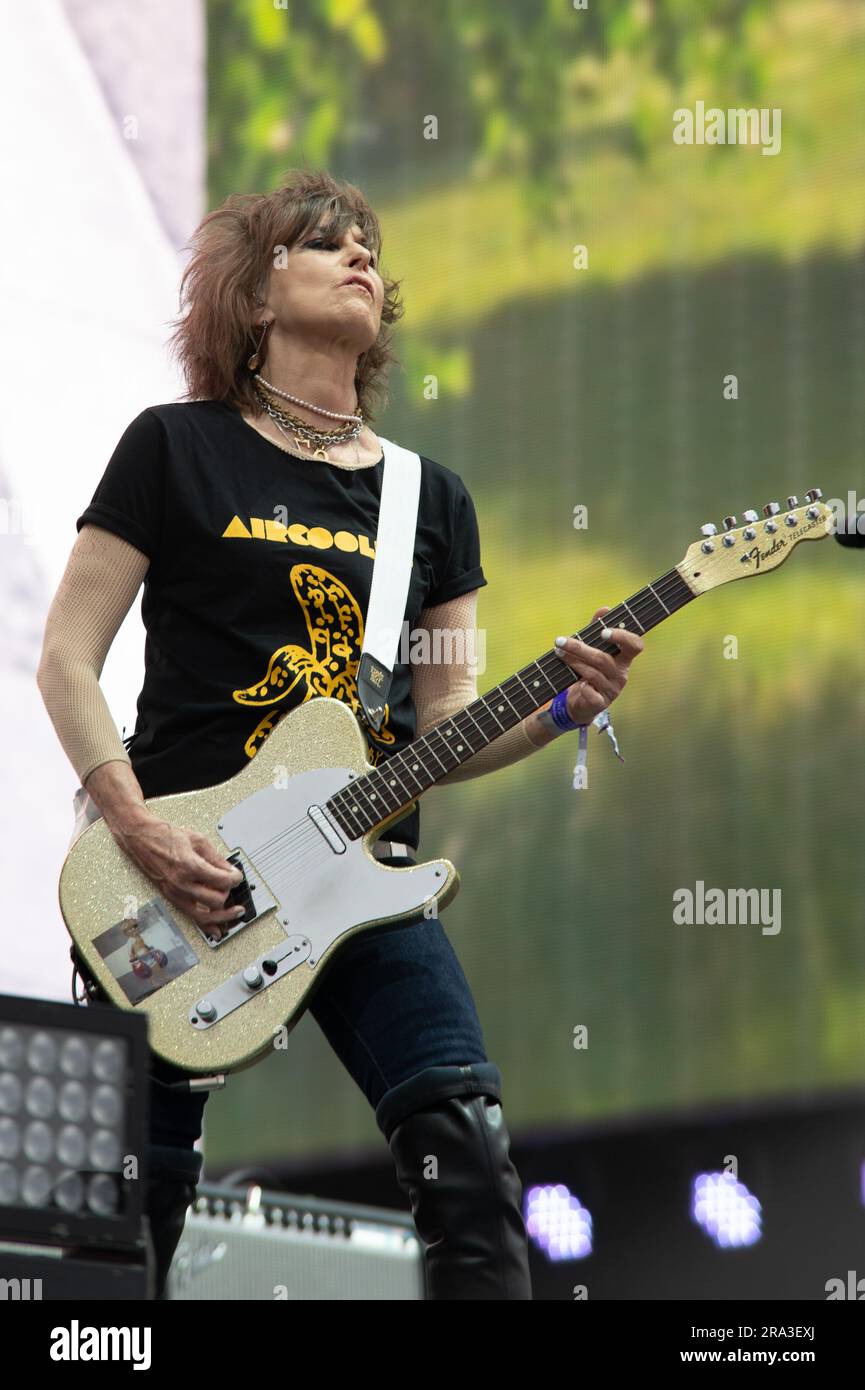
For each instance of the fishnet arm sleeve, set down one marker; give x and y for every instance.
(102, 577)
(441, 689)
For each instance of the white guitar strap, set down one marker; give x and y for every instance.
(391, 575)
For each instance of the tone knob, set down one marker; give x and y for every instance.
(771, 509)
(710, 529)
(813, 494)
(729, 523)
(791, 503)
(750, 515)
(206, 1010)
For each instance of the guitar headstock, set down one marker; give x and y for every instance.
(762, 544)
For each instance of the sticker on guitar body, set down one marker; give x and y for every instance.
(145, 952)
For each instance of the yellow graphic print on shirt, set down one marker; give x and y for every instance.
(328, 666)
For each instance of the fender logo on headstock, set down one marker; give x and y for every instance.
(756, 554)
(779, 543)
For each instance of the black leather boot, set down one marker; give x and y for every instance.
(173, 1177)
(452, 1159)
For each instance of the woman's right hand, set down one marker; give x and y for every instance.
(185, 867)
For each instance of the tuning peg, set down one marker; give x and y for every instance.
(707, 532)
(813, 494)
(729, 523)
(771, 509)
(791, 503)
(750, 515)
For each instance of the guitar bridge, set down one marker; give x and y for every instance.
(249, 894)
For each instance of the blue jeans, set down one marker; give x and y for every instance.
(397, 1010)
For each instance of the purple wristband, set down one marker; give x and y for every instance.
(559, 712)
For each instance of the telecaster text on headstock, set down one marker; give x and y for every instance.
(757, 555)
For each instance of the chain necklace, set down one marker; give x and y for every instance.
(320, 451)
(304, 431)
(306, 436)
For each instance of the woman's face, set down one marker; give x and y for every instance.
(310, 298)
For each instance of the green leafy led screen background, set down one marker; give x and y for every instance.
(602, 387)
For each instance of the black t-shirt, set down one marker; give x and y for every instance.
(259, 579)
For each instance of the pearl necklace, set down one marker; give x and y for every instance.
(319, 409)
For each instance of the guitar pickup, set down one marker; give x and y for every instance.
(241, 896)
(250, 894)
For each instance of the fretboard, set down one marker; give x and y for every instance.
(398, 781)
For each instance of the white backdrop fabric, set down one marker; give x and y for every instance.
(96, 207)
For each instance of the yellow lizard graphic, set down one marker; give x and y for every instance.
(328, 666)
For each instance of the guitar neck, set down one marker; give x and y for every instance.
(397, 782)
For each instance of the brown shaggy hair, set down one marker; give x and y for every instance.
(232, 251)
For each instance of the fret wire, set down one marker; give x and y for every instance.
(537, 666)
(424, 746)
(410, 770)
(355, 816)
(472, 727)
(380, 786)
(404, 772)
(457, 759)
(517, 694)
(434, 753)
(526, 691)
(507, 697)
(467, 711)
(483, 702)
(511, 694)
(405, 790)
(347, 811)
(454, 726)
(462, 734)
(660, 600)
(629, 610)
(377, 782)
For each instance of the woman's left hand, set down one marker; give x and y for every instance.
(603, 676)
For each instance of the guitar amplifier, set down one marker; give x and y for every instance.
(246, 1243)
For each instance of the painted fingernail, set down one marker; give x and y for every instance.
(606, 633)
(561, 641)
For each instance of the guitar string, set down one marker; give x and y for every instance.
(670, 586)
(287, 841)
(549, 664)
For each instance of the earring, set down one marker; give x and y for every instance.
(255, 360)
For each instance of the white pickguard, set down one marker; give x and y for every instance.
(322, 893)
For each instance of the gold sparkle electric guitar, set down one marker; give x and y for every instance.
(300, 821)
